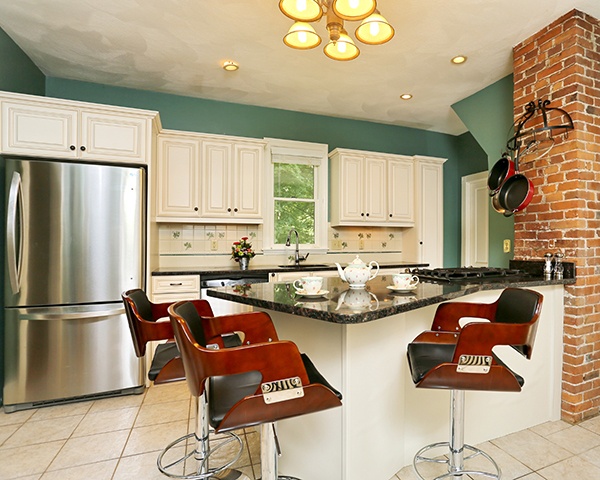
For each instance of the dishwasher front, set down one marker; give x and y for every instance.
(224, 307)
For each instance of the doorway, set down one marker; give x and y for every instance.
(475, 220)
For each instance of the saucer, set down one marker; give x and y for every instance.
(320, 293)
(402, 290)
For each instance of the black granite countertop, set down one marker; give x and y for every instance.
(265, 269)
(343, 305)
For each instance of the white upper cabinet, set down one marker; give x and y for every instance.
(178, 177)
(209, 179)
(39, 126)
(371, 188)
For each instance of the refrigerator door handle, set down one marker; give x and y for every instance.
(14, 243)
(76, 315)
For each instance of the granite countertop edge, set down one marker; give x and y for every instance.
(367, 316)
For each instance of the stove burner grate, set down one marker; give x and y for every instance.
(465, 273)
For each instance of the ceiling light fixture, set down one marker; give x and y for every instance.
(230, 66)
(406, 96)
(459, 60)
(373, 30)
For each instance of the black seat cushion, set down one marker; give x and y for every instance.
(314, 376)
(164, 353)
(225, 391)
(422, 357)
(142, 304)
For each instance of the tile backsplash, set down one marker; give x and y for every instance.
(189, 239)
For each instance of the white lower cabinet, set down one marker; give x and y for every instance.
(40, 126)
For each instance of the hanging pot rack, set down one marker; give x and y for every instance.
(555, 121)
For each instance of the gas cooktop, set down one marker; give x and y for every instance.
(465, 274)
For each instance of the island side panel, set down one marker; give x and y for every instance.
(312, 444)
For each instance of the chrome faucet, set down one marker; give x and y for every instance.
(297, 257)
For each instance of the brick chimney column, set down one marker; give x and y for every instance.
(561, 63)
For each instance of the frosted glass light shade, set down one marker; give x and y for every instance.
(353, 9)
(302, 36)
(342, 49)
(374, 30)
(301, 10)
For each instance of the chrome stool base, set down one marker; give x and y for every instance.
(202, 468)
(454, 472)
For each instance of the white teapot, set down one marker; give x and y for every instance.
(358, 273)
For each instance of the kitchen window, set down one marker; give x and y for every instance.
(296, 196)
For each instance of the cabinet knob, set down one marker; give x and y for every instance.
(82, 148)
(420, 243)
(390, 215)
(235, 209)
(229, 209)
(195, 209)
(367, 214)
(72, 147)
(362, 214)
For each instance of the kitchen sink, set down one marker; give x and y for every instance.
(305, 266)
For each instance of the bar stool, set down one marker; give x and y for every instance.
(150, 322)
(451, 357)
(263, 381)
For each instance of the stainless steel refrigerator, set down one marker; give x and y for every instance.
(75, 240)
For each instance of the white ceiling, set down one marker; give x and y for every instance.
(177, 46)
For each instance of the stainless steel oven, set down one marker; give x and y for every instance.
(215, 280)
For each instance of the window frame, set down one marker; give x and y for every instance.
(315, 154)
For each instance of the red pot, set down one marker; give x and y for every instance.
(515, 194)
(502, 170)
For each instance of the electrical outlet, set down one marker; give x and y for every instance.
(214, 245)
(506, 245)
(361, 244)
(336, 244)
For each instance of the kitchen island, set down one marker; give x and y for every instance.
(358, 340)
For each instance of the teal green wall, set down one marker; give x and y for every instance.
(208, 116)
(17, 72)
(488, 114)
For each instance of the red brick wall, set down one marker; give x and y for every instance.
(561, 63)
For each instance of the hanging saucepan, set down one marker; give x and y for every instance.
(496, 204)
(500, 172)
(515, 194)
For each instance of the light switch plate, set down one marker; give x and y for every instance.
(214, 245)
(506, 245)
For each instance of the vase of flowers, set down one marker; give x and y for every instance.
(242, 252)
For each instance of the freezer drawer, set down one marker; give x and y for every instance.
(64, 353)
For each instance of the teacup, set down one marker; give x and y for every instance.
(310, 285)
(405, 281)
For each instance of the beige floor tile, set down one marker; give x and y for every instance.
(137, 467)
(592, 456)
(15, 417)
(6, 431)
(532, 476)
(511, 468)
(155, 413)
(571, 468)
(43, 431)
(575, 439)
(94, 448)
(117, 403)
(548, 428)
(92, 471)
(154, 437)
(592, 424)
(106, 421)
(532, 450)
(168, 392)
(57, 411)
(28, 460)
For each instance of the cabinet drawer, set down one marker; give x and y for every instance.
(176, 284)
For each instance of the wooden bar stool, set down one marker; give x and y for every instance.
(451, 357)
(258, 383)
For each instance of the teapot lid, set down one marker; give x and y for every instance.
(357, 262)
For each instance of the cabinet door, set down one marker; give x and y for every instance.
(247, 181)
(400, 181)
(375, 199)
(40, 131)
(108, 136)
(216, 179)
(178, 171)
(351, 189)
(432, 215)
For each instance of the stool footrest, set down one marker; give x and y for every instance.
(496, 473)
(195, 465)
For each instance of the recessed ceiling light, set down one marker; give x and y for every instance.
(459, 59)
(230, 66)
(406, 96)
